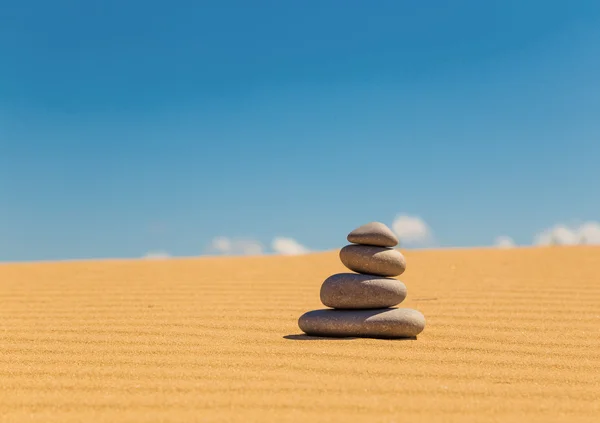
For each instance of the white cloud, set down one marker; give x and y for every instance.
(156, 255)
(239, 246)
(590, 232)
(235, 246)
(221, 244)
(288, 246)
(412, 230)
(586, 233)
(504, 242)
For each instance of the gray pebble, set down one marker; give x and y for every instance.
(379, 323)
(374, 233)
(372, 260)
(353, 290)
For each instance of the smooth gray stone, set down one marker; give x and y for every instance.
(379, 323)
(374, 233)
(381, 261)
(353, 290)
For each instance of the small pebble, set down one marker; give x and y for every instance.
(374, 233)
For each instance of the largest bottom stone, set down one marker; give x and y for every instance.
(374, 323)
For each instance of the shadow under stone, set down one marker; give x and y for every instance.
(303, 337)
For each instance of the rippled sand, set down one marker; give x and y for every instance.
(512, 335)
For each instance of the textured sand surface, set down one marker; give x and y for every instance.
(512, 335)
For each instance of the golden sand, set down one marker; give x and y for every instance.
(512, 335)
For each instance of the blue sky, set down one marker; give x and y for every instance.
(128, 127)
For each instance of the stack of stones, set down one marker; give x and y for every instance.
(361, 303)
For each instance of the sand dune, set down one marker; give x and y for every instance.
(512, 335)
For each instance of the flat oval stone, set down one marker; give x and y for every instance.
(374, 233)
(380, 323)
(381, 261)
(353, 290)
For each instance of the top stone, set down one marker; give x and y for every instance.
(374, 233)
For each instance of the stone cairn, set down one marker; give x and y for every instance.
(361, 303)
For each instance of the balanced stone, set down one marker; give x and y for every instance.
(381, 261)
(352, 290)
(374, 233)
(380, 323)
